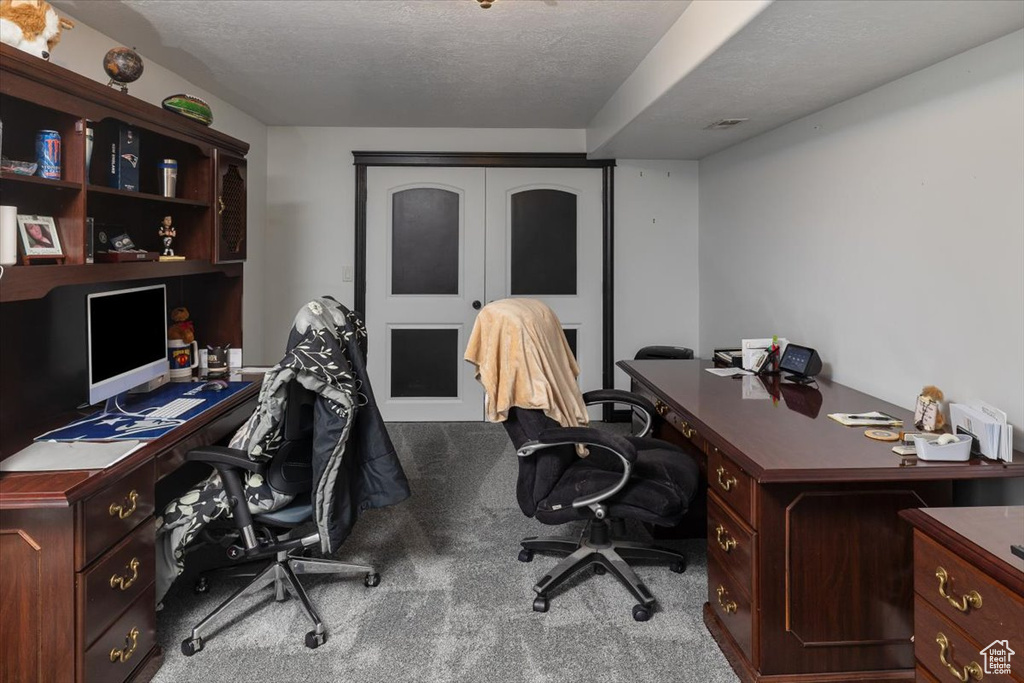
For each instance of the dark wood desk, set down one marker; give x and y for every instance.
(77, 593)
(968, 590)
(809, 566)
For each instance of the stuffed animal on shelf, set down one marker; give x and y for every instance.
(32, 26)
(181, 327)
(928, 411)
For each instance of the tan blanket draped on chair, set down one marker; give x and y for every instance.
(523, 360)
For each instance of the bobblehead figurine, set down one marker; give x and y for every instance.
(167, 233)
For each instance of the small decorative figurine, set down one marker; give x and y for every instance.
(167, 233)
(928, 411)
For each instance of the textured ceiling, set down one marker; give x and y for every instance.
(800, 56)
(521, 63)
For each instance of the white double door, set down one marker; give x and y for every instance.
(441, 242)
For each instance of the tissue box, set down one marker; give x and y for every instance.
(958, 451)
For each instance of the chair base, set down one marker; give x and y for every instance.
(282, 573)
(596, 546)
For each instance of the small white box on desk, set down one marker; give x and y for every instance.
(957, 451)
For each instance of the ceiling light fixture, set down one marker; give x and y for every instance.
(485, 3)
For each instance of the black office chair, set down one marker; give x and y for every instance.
(622, 478)
(272, 534)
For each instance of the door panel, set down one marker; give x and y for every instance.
(425, 268)
(544, 235)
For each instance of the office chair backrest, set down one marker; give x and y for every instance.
(538, 473)
(291, 469)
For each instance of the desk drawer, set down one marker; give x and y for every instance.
(962, 654)
(117, 652)
(731, 484)
(111, 514)
(678, 422)
(1001, 614)
(115, 581)
(731, 606)
(731, 543)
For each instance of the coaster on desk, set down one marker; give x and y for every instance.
(881, 435)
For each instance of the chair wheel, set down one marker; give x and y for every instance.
(315, 640)
(641, 613)
(202, 585)
(372, 580)
(540, 605)
(678, 566)
(600, 569)
(190, 646)
(525, 555)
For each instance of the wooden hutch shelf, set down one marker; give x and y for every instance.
(146, 196)
(34, 282)
(6, 177)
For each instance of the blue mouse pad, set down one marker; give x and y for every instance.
(137, 420)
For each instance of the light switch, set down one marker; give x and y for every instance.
(346, 273)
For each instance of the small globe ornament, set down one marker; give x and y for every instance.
(123, 65)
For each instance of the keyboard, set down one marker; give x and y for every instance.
(177, 407)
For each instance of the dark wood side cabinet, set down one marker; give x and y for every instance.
(809, 564)
(968, 593)
(76, 547)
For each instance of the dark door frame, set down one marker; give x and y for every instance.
(364, 160)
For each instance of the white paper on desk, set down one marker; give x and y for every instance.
(51, 456)
(1005, 443)
(752, 348)
(987, 430)
(728, 372)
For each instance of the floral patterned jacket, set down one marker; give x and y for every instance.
(355, 466)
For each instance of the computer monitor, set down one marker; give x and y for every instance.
(127, 337)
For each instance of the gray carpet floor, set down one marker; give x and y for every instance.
(454, 603)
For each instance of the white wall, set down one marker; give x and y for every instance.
(82, 49)
(886, 231)
(311, 217)
(656, 275)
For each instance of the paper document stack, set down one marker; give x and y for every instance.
(987, 425)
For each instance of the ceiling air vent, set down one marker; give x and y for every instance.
(725, 123)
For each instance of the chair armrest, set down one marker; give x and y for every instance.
(229, 462)
(628, 398)
(222, 455)
(588, 436)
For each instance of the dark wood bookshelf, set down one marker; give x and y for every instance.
(8, 177)
(146, 196)
(21, 283)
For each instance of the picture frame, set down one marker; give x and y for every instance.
(39, 237)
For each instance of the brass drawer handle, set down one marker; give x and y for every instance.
(729, 606)
(123, 582)
(964, 604)
(661, 408)
(220, 205)
(688, 431)
(727, 544)
(726, 484)
(131, 641)
(971, 670)
(123, 511)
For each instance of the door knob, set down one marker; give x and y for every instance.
(477, 305)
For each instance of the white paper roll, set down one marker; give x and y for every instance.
(8, 235)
